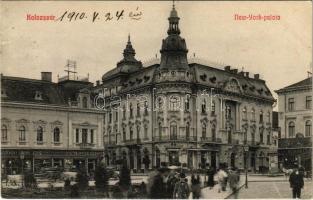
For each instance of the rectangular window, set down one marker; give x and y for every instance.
(77, 135)
(91, 136)
(84, 135)
(291, 104)
(308, 102)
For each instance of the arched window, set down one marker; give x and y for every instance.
(203, 106)
(261, 116)
(124, 134)
(56, 134)
(261, 135)
(269, 117)
(228, 112)
(173, 131)
(39, 134)
(130, 110)
(4, 133)
(187, 130)
(187, 103)
(146, 108)
(253, 114)
(22, 134)
(291, 129)
(174, 103)
(131, 133)
(213, 108)
(124, 112)
(138, 109)
(213, 131)
(308, 128)
(138, 131)
(160, 130)
(145, 131)
(244, 113)
(203, 131)
(84, 102)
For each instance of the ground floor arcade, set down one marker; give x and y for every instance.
(192, 156)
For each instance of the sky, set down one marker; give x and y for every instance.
(279, 50)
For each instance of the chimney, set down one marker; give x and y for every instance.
(241, 73)
(227, 68)
(235, 71)
(97, 82)
(257, 76)
(46, 76)
(247, 74)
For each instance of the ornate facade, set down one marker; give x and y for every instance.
(180, 112)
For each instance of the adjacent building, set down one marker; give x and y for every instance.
(42, 125)
(295, 121)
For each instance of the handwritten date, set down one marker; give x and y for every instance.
(70, 16)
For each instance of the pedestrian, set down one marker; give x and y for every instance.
(158, 188)
(296, 183)
(210, 173)
(221, 178)
(233, 179)
(143, 189)
(171, 182)
(181, 190)
(195, 186)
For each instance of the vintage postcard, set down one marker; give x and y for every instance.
(156, 99)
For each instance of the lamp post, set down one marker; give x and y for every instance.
(246, 149)
(22, 156)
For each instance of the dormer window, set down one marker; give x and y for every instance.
(3, 93)
(38, 95)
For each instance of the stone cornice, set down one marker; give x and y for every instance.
(50, 107)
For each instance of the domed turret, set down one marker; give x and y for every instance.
(174, 49)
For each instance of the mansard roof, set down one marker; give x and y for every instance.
(24, 90)
(231, 80)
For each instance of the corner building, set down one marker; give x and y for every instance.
(177, 111)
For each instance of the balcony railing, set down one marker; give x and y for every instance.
(211, 139)
(175, 138)
(85, 145)
(133, 141)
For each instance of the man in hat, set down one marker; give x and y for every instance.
(181, 190)
(296, 183)
(158, 188)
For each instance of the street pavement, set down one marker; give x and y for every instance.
(273, 190)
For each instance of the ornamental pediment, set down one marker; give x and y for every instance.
(232, 86)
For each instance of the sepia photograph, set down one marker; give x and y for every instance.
(156, 99)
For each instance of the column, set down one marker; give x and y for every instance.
(221, 109)
(86, 165)
(238, 116)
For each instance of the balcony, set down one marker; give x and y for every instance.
(85, 145)
(175, 138)
(132, 141)
(210, 140)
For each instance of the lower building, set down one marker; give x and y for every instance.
(43, 126)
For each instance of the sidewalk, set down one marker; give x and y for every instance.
(213, 193)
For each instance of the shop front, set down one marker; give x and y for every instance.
(14, 161)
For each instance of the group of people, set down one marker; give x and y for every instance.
(230, 176)
(167, 184)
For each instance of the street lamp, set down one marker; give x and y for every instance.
(22, 156)
(246, 149)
